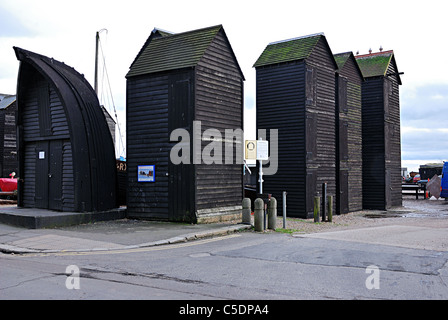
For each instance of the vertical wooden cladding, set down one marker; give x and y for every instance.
(298, 98)
(206, 87)
(349, 134)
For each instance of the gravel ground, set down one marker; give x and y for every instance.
(413, 212)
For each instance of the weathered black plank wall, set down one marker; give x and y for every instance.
(381, 131)
(66, 153)
(348, 134)
(219, 105)
(147, 124)
(165, 93)
(280, 96)
(296, 95)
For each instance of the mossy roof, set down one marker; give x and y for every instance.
(375, 64)
(288, 50)
(342, 58)
(173, 51)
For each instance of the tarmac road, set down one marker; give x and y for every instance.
(410, 258)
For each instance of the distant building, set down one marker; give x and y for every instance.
(8, 135)
(381, 131)
(110, 123)
(429, 170)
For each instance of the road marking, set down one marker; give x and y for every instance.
(134, 250)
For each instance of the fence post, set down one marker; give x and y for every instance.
(324, 200)
(316, 209)
(284, 209)
(272, 214)
(246, 211)
(258, 214)
(330, 208)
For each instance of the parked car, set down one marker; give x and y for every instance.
(416, 178)
(8, 185)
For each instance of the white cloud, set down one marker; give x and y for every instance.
(437, 97)
(66, 31)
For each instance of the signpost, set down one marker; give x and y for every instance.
(258, 150)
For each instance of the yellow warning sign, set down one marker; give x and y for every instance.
(251, 150)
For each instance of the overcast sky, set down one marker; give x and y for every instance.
(415, 30)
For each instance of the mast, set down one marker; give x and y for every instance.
(96, 62)
(97, 43)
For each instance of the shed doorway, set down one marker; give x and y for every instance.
(49, 157)
(180, 175)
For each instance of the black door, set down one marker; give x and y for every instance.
(180, 187)
(49, 175)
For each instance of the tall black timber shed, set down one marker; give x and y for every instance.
(177, 79)
(66, 153)
(381, 131)
(296, 94)
(349, 80)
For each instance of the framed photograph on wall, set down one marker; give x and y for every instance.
(146, 174)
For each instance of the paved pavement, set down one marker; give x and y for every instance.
(430, 232)
(106, 235)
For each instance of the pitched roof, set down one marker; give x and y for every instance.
(155, 33)
(375, 64)
(173, 51)
(342, 58)
(289, 50)
(6, 101)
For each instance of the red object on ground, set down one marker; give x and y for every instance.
(8, 185)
